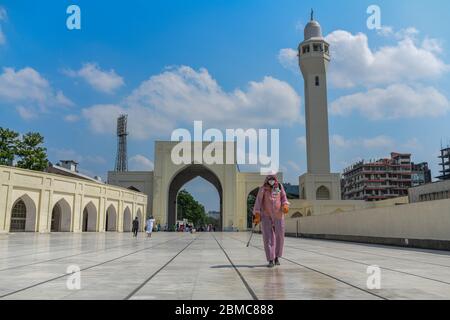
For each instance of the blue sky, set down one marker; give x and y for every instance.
(388, 89)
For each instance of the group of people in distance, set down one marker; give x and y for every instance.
(190, 228)
(149, 225)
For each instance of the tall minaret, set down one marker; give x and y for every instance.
(314, 56)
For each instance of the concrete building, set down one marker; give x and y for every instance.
(429, 192)
(420, 174)
(445, 164)
(314, 56)
(378, 180)
(47, 202)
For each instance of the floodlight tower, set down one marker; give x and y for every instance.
(121, 159)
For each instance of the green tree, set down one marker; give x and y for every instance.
(31, 154)
(188, 208)
(8, 146)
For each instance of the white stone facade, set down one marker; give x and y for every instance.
(80, 205)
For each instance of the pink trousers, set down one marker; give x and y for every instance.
(273, 236)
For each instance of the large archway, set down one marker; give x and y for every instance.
(61, 217)
(127, 220)
(90, 218)
(23, 215)
(184, 176)
(111, 219)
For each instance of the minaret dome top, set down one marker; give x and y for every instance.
(313, 29)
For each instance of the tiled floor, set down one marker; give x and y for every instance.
(212, 266)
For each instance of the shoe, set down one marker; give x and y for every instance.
(270, 265)
(277, 262)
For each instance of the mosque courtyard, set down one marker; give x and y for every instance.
(210, 266)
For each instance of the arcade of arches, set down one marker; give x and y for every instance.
(42, 202)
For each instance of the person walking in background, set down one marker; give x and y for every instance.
(149, 226)
(135, 228)
(270, 207)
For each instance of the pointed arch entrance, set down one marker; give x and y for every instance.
(23, 215)
(111, 219)
(90, 218)
(61, 217)
(127, 220)
(184, 176)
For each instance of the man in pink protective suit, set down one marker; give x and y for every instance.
(270, 207)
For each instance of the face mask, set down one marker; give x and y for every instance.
(271, 182)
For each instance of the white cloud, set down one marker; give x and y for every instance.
(195, 95)
(140, 163)
(71, 118)
(356, 64)
(26, 113)
(433, 45)
(289, 59)
(142, 122)
(103, 81)
(29, 92)
(340, 142)
(392, 74)
(379, 142)
(182, 95)
(413, 144)
(388, 31)
(396, 101)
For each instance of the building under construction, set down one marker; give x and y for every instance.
(378, 180)
(445, 164)
(421, 174)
